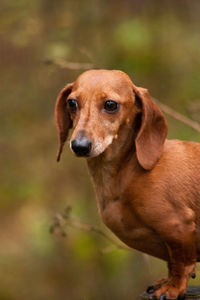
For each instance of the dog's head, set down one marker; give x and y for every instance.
(100, 106)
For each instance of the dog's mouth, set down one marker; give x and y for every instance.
(82, 146)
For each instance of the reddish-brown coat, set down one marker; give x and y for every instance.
(147, 187)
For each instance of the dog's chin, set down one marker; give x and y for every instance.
(100, 147)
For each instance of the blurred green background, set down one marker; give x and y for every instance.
(158, 44)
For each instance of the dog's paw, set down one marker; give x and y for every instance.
(157, 285)
(168, 291)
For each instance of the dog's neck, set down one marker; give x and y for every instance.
(107, 169)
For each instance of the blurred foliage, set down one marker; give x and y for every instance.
(158, 44)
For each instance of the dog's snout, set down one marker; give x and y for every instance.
(81, 146)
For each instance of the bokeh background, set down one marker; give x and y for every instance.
(158, 44)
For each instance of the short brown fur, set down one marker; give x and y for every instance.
(147, 187)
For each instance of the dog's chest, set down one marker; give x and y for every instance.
(115, 211)
(121, 220)
(114, 207)
(115, 216)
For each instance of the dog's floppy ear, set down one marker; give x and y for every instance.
(153, 130)
(62, 117)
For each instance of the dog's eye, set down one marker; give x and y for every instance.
(111, 106)
(72, 105)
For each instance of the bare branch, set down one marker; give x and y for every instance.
(69, 65)
(178, 116)
(65, 219)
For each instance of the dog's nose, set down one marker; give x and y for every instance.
(81, 146)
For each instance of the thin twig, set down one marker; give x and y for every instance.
(69, 65)
(63, 220)
(178, 116)
(83, 226)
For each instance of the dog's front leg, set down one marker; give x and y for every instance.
(182, 255)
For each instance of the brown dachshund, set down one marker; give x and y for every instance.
(147, 187)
